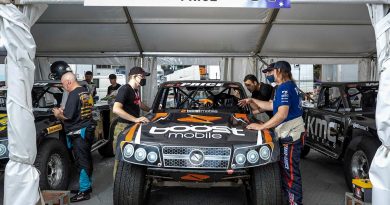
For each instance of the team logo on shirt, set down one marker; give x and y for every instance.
(285, 94)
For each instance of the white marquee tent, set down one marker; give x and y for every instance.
(241, 40)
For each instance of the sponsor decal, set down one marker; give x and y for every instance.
(3, 121)
(54, 129)
(285, 158)
(40, 84)
(201, 85)
(3, 150)
(200, 111)
(197, 132)
(321, 129)
(355, 125)
(371, 84)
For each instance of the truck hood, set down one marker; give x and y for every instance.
(216, 129)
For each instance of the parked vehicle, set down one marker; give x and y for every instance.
(341, 125)
(54, 160)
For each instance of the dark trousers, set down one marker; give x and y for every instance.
(81, 147)
(290, 172)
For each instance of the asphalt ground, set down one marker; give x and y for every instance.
(322, 178)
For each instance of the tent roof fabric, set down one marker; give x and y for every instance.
(305, 30)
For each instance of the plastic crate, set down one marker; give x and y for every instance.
(351, 200)
(56, 197)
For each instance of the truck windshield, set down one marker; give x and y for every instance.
(217, 99)
(362, 98)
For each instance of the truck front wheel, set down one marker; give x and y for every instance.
(266, 185)
(129, 185)
(358, 159)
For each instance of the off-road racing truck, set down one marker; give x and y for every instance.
(54, 160)
(197, 137)
(341, 125)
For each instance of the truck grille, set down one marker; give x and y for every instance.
(196, 157)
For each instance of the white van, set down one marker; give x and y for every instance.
(102, 82)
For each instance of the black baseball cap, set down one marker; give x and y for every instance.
(112, 76)
(138, 70)
(283, 65)
(269, 68)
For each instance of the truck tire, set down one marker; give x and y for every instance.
(305, 151)
(266, 185)
(357, 160)
(129, 184)
(53, 163)
(107, 150)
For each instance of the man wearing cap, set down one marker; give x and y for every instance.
(114, 85)
(128, 105)
(259, 90)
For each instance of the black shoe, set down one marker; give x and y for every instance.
(81, 196)
(75, 191)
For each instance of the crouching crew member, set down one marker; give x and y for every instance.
(128, 105)
(79, 128)
(259, 90)
(289, 128)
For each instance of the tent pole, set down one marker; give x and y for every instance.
(264, 36)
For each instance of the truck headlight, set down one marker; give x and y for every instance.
(140, 154)
(265, 153)
(240, 159)
(252, 156)
(152, 157)
(128, 151)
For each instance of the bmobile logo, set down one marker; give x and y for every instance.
(198, 132)
(199, 119)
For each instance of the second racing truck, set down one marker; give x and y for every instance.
(341, 125)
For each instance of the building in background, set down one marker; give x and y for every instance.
(340, 73)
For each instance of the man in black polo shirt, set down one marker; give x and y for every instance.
(128, 105)
(79, 128)
(260, 91)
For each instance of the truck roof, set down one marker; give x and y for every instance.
(201, 83)
(52, 83)
(352, 84)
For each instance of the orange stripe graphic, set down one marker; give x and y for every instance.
(199, 119)
(195, 177)
(242, 116)
(131, 132)
(159, 115)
